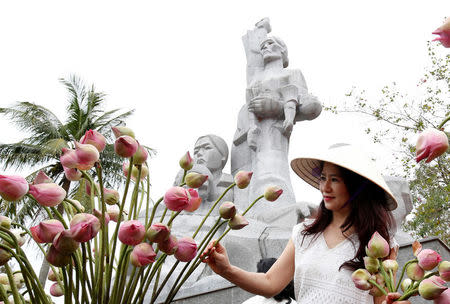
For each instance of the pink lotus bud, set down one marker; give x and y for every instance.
(417, 247)
(431, 144)
(69, 158)
(371, 264)
(177, 199)
(52, 276)
(375, 291)
(140, 156)
(428, 259)
(94, 138)
(187, 249)
(158, 233)
(169, 246)
(414, 271)
(125, 146)
(194, 201)
(444, 270)
(142, 255)
(195, 180)
(186, 162)
(46, 231)
(406, 283)
(20, 236)
(444, 298)
(56, 258)
(84, 227)
(431, 288)
(377, 247)
(56, 290)
(113, 212)
(135, 171)
(87, 156)
(131, 232)
(360, 278)
(390, 265)
(64, 242)
(72, 174)
(237, 222)
(48, 195)
(272, 193)
(122, 130)
(242, 179)
(42, 178)
(5, 222)
(227, 210)
(444, 33)
(5, 256)
(13, 187)
(98, 214)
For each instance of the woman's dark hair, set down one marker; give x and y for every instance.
(288, 292)
(369, 213)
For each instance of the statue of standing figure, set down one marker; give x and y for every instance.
(276, 98)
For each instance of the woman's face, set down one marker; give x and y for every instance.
(334, 191)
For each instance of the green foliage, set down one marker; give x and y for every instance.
(395, 120)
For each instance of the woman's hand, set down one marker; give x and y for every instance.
(394, 296)
(216, 257)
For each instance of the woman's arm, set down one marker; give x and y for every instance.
(265, 284)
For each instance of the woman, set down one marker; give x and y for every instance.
(322, 254)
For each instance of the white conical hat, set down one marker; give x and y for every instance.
(348, 157)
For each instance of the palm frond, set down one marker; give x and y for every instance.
(105, 122)
(20, 155)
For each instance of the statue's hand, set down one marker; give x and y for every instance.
(265, 23)
(265, 107)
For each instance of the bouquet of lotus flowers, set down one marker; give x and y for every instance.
(93, 260)
(423, 279)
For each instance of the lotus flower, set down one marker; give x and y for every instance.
(177, 199)
(428, 259)
(46, 231)
(361, 278)
(72, 174)
(87, 155)
(237, 222)
(113, 212)
(390, 265)
(242, 179)
(48, 195)
(169, 246)
(56, 290)
(414, 271)
(42, 178)
(371, 264)
(122, 130)
(69, 158)
(187, 249)
(194, 200)
(195, 180)
(377, 247)
(142, 255)
(125, 146)
(444, 33)
(140, 156)
(52, 276)
(84, 227)
(56, 258)
(431, 288)
(5, 256)
(444, 270)
(406, 283)
(12, 187)
(158, 233)
(94, 138)
(131, 232)
(5, 222)
(444, 297)
(64, 242)
(431, 144)
(272, 193)
(186, 162)
(227, 210)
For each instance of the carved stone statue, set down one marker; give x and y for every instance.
(276, 97)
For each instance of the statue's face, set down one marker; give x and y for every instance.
(270, 50)
(207, 155)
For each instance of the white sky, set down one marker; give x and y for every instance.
(181, 64)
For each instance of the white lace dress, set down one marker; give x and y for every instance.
(317, 278)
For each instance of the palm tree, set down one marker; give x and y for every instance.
(48, 135)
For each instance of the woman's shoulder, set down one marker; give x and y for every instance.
(297, 229)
